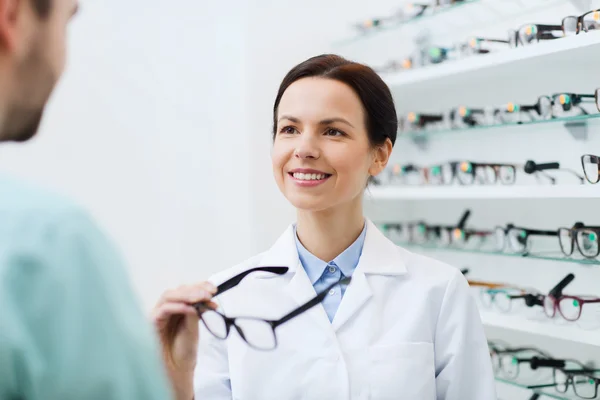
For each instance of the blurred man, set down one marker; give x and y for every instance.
(70, 327)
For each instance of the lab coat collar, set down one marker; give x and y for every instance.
(379, 255)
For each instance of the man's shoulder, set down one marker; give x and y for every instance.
(23, 197)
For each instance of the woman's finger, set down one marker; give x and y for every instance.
(166, 310)
(186, 294)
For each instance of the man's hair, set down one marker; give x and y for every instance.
(42, 7)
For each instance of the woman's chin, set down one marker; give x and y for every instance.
(309, 203)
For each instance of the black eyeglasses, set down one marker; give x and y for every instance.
(585, 238)
(557, 105)
(256, 332)
(517, 238)
(508, 362)
(589, 21)
(533, 33)
(591, 167)
(582, 381)
(468, 172)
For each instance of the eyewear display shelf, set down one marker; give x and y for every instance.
(425, 133)
(519, 322)
(506, 63)
(585, 191)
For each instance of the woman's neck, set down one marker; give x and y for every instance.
(326, 234)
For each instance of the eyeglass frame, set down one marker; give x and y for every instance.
(543, 32)
(579, 26)
(579, 226)
(596, 160)
(528, 232)
(229, 321)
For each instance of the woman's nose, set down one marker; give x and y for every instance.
(307, 149)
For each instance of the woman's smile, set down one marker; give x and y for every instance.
(307, 177)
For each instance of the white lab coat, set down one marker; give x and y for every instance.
(407, 329)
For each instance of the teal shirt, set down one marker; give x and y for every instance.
(70, 326)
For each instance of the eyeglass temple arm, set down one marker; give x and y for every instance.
(481, 39)
(557, 290)
(463, 219)
(547, 385)
(542, 27)
(537, 362)
(309, 304)
(233, 282)
(542, 233)
(431, 117)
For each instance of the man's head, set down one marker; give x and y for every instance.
(32, 59)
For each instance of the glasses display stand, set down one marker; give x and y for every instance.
(506, 76)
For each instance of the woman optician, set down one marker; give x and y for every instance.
(405, 327)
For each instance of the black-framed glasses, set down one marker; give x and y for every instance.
(591, 167)
(585, 238)
(469, 172)
(557, 105)
(533, 33)
(589, 21)
(256, 332)
(517, 238)
(507, 361)
(582, 382)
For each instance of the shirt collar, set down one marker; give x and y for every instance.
(346, 261)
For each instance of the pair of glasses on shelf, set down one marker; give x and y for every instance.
(586, 239)
(258, 333)
(566, 373)
(506, 362)
(468, 173)
(569, 307)
(583, 383)
(421, 232)
(558, 105)
(570, 25)
(591, 167)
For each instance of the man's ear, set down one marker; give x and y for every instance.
(382, 156)
(9, 23)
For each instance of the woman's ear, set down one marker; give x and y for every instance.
(382, 156)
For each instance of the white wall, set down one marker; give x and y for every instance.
(148, 130)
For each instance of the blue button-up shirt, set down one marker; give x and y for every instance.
(322, 273)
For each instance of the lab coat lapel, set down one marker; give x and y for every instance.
(299, 287)
(357, 294)
(379, 257)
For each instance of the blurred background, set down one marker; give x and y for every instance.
(161, 127)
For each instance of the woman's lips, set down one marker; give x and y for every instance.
(309, 178)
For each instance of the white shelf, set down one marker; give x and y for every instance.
(570, 332)
(484, 192)
(509, 63)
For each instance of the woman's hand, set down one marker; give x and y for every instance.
(176, 322)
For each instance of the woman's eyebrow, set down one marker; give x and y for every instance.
(322, 122)
(336, 119)
(290, 118)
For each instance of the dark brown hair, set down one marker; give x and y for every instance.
(42, 7)
(382, 121)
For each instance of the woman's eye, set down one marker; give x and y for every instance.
(334, 132)
(288, 129)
